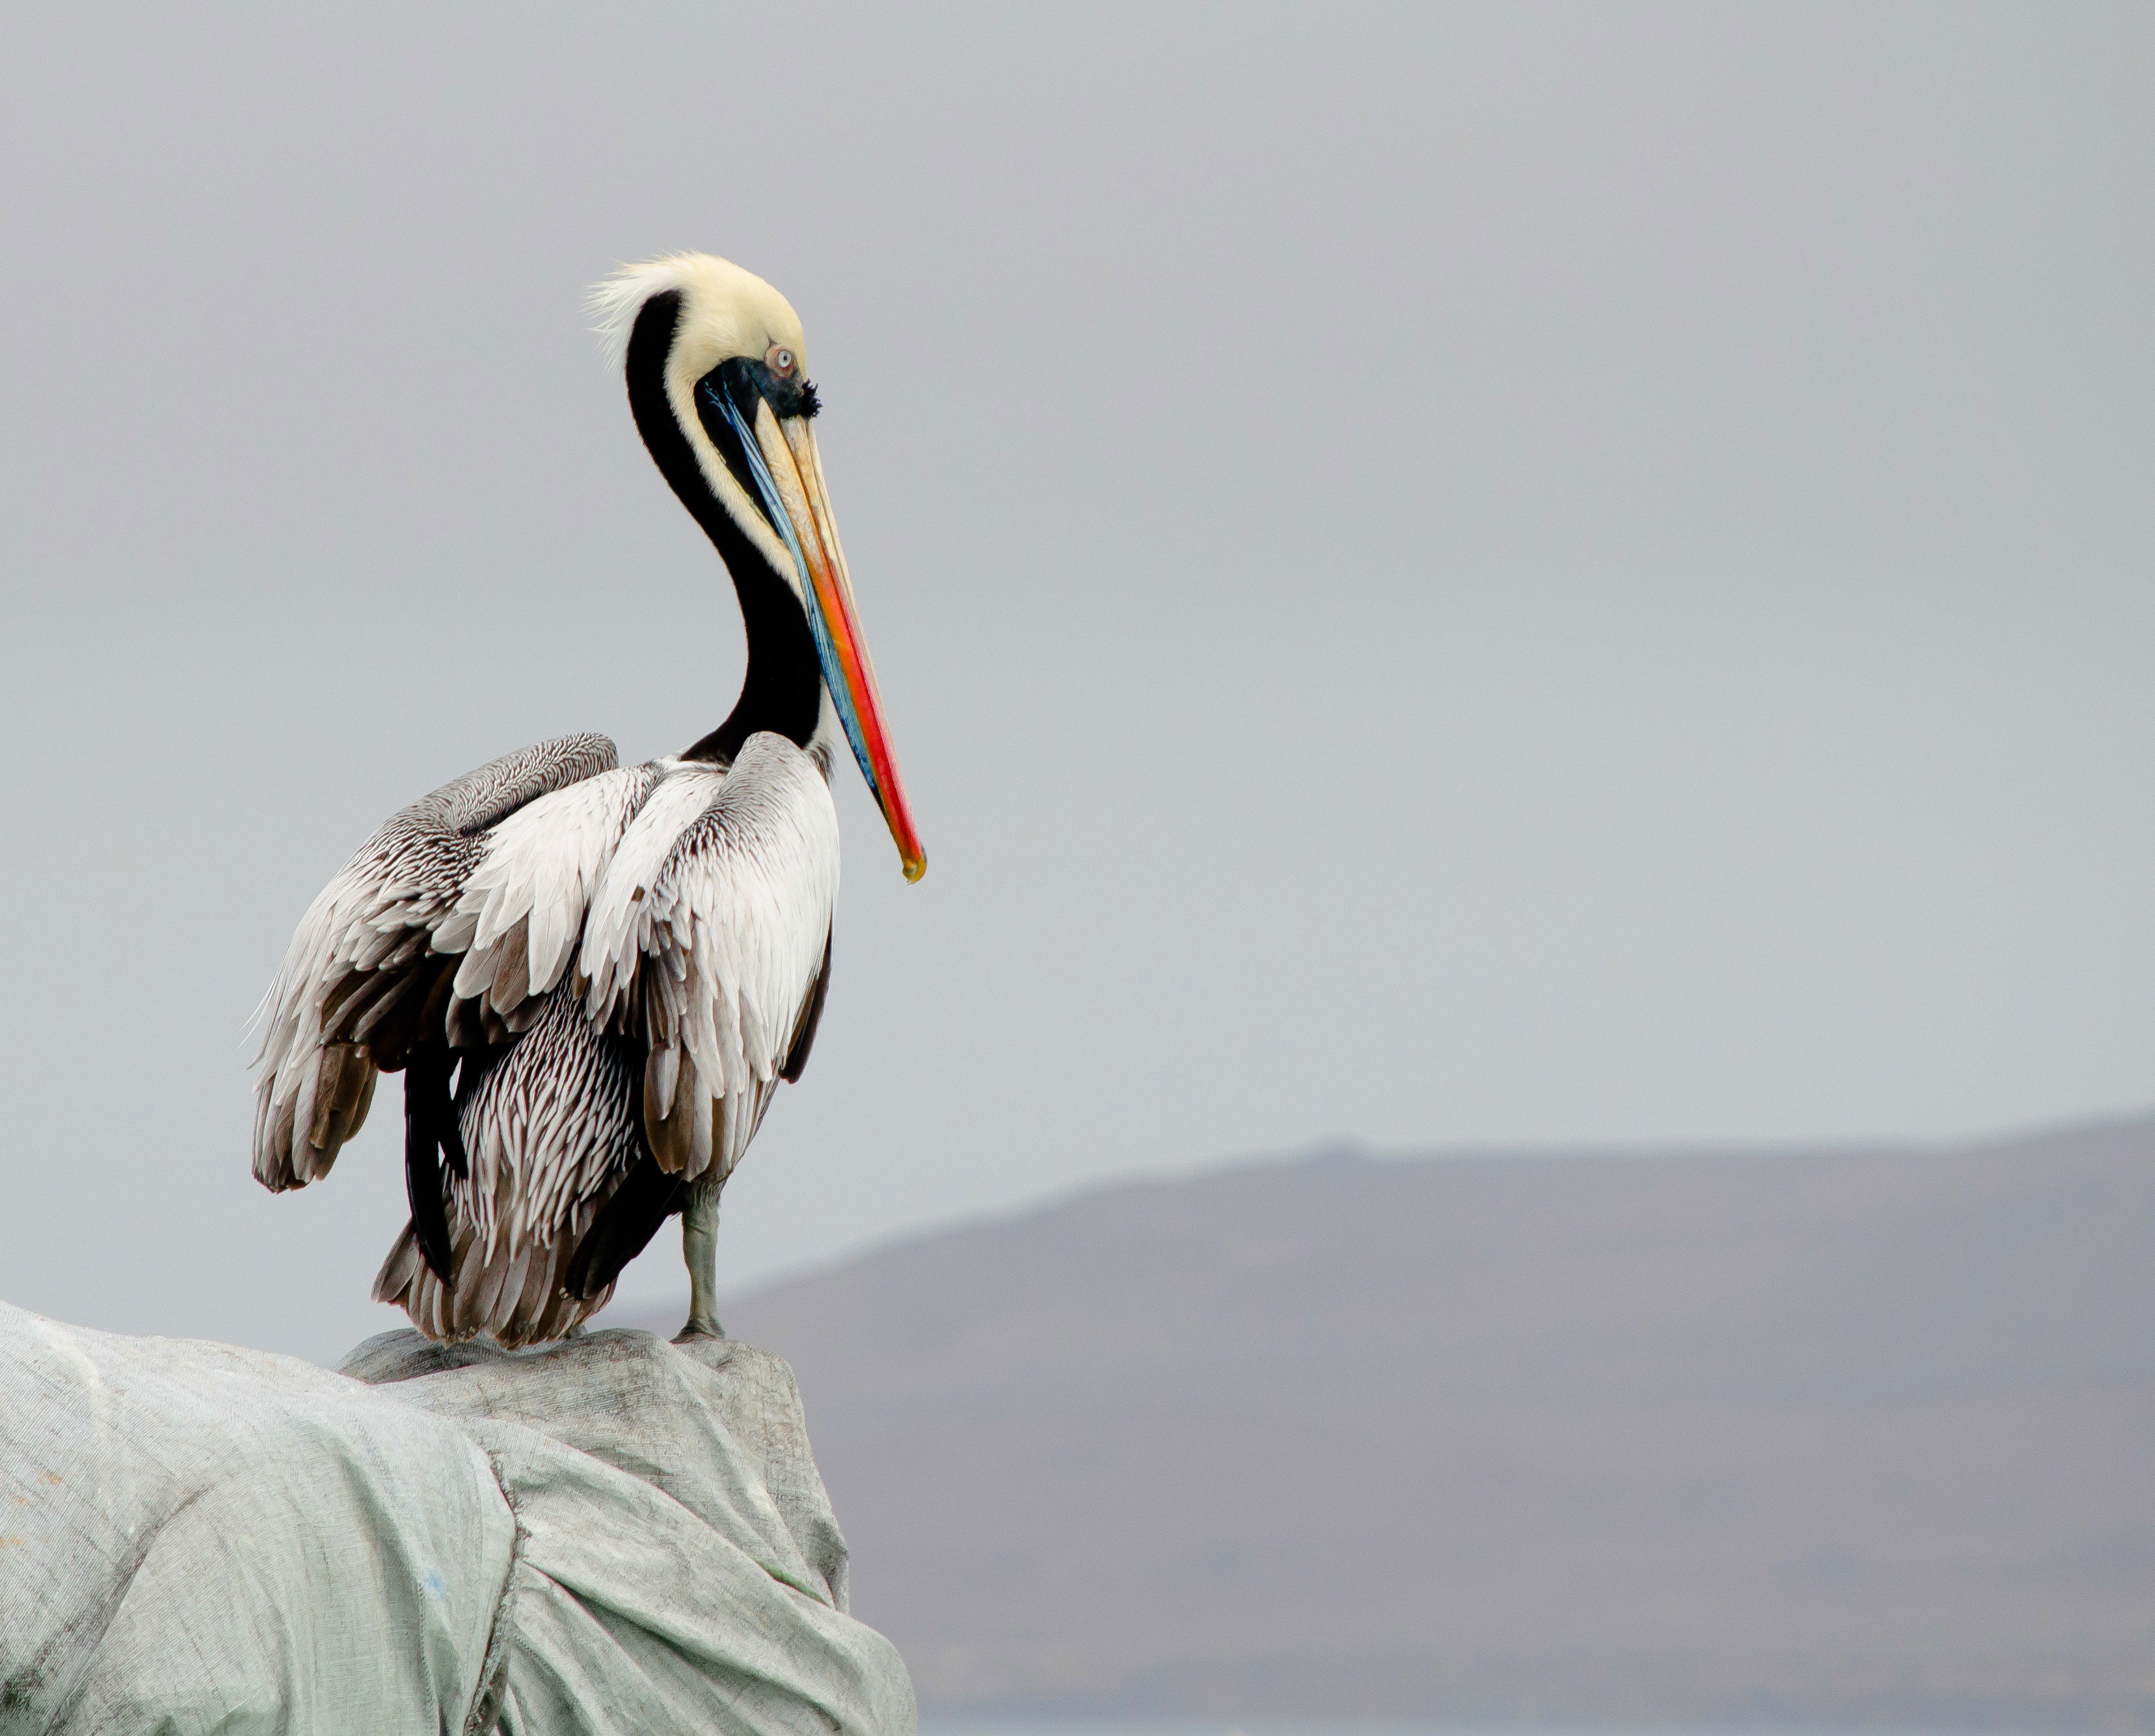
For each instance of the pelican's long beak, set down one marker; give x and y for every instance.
(788, 449)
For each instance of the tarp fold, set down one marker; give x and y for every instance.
(613, 1533)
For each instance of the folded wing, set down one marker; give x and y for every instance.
(521, 914)
(708, 946)
(366, 965)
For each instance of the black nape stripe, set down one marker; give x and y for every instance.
(782, 689)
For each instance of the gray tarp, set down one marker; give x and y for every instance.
(610, 1534)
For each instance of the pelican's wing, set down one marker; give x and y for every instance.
(551, 1127)
(356, 979)
(521, 912)
(708, 944)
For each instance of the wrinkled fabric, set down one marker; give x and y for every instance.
(614, 1533)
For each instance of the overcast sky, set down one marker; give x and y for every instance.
(1449, 574)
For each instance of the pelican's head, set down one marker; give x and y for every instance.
(718, 378)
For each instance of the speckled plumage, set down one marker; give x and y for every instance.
(570, 930)
(593, 977)
(343, 1004)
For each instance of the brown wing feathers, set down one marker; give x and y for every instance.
(804, 1038)
(430, 1135)
(577, 1118)
(623, 1228)
(355, 981)
(517, 1208)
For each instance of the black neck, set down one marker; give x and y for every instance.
(783, 687)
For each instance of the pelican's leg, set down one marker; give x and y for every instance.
(699, 1248)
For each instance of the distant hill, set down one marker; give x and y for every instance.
(1832, 1436)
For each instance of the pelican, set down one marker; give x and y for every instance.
(593, 977)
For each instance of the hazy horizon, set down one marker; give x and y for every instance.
(1843, 1437)
(1455, 574)
(665, 1290)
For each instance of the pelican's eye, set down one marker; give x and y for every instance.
(779, 360)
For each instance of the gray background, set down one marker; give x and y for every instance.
(1499, 573)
